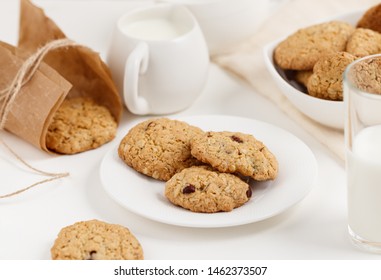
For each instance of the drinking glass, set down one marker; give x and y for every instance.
(362, 98)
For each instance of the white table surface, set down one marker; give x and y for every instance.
(315, 228)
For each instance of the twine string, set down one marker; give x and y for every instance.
(25, 73)
(53, 176)
(8, 96)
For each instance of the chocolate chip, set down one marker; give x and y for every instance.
(91, 257)
(149, 125)
(236, 139)
(249, 193)
(189, 189)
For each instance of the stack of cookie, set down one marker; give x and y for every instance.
(316, 56)
(203, 171)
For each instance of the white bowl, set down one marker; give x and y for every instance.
(226, 22)
(326, 112)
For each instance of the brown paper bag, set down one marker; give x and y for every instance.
(81, 66)
(37, 101)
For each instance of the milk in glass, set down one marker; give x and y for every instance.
(364, 185)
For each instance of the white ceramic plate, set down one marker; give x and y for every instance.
(145, 196)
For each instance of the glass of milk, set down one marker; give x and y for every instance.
(362, 98)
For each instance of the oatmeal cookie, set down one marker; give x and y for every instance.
(159, 148)
(327, 78)
(364, 42)
(96, 240)
(371, 19)
(301, 50)
(235, 152)
(303, 76)
(80, 125)
(201, 189)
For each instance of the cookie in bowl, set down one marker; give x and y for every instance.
(371, 19)
(308, 64)
(326, 81)
(364, 42)
(293, 81)
(302, 49)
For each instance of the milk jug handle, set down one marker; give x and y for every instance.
(136, 65)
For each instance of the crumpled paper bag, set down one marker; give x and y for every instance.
(34, 106)
(65, 72)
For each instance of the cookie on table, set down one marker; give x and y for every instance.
(327, 78)
(235, 152)
(96, 240)
(80, 125)
(371, 19)
(301, 50)
(201, 189)
(364, 42)
(159, 148)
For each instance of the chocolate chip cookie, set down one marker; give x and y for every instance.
(159, 148)
(235, 152)
(201, 189)
(96, 240)
(80, 125)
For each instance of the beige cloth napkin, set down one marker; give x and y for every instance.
(246, 59)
